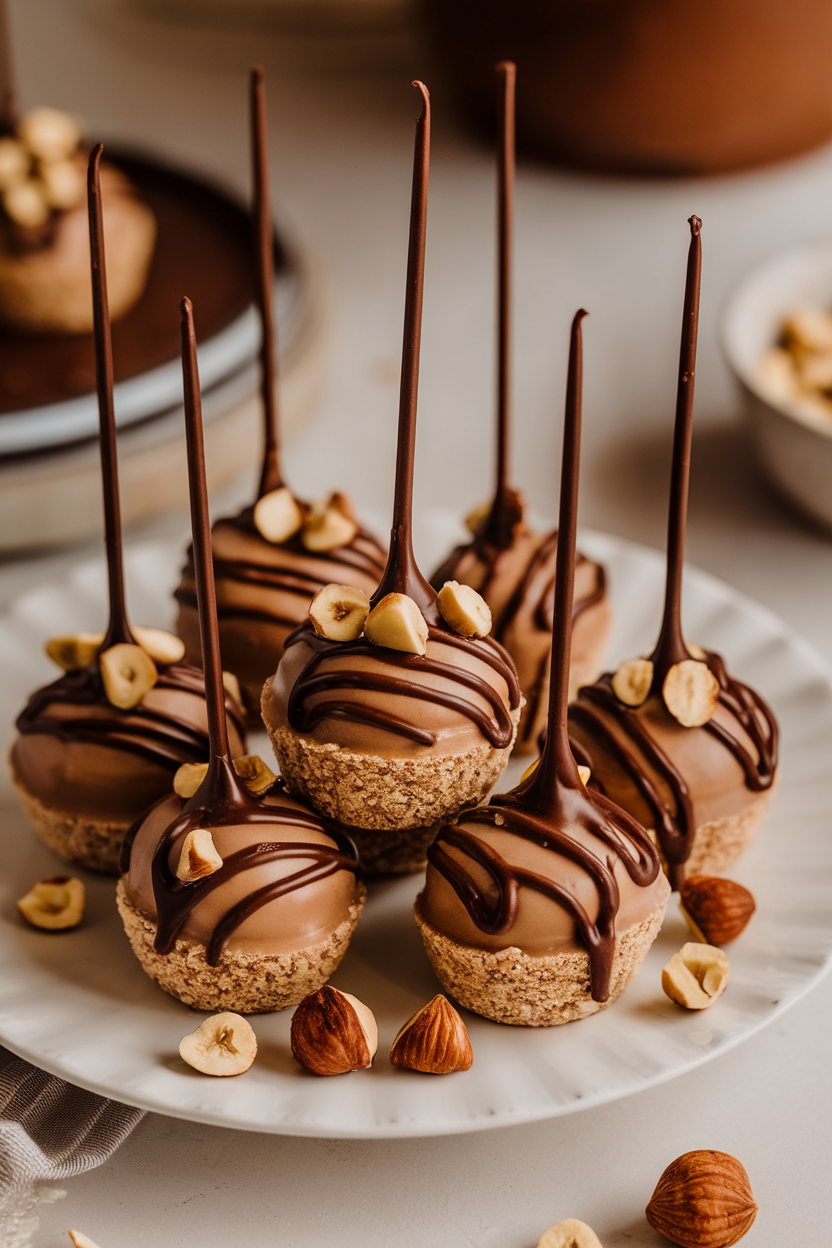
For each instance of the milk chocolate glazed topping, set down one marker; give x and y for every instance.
(546, 808)
(222, 799)
(153, 734)
(674, 825)
(363, 555)
(402, 574)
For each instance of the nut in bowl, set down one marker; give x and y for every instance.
(772, 336)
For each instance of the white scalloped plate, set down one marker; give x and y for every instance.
(78, 1004)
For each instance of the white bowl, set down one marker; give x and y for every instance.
(793, 440)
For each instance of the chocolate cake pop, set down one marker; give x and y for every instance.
(44, 249)
(233, 900)
(400, 728)
(272, 558)
(539, 907)
(511, 565)
(674, 739)
(99, 745)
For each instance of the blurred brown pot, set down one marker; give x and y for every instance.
(647, 86)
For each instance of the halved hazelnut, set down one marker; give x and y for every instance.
(199, 856)
(224, 1044)
(63, 183)
(330, 524)
(25, 203)
(632, 680)
(49, 133)
(691, 692)
(696, 975)
(231, 685)
(14, 162)
(74, 650)
(80, 1240)
(54, 904)
(128, 673)
(571, 1233)
(162, 646)
(277, 516)
(464, 610)
(333, 1033)
(397, 623)
(254, 773)
(188, 778)
(339, 612)
(434, 1040)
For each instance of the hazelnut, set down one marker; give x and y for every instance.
(703, 1200)
(339, 612)
(63, 183)
(583, 772)
(464, 610)
(809, 329)
(397, 623)
(717, 910)
(74, 650)
(162, 646)
(254, 773)
(188, 778)
(434, 1040)
(572, 1233)
(632, 680)
(80, 1240)
(224, 1044)
(49, 133)
(277, 516)
(54, 904)
(333, 1033)
(231, 685)
(128, 673)
(14, 162)
(330, 524)
(199, 856)
(25, 204)
(691, 692)
(476, 518)
(696, 975)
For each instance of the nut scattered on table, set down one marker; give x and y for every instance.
(225, 1044)
(333, 1033)
(128, 673)
(571, 1233)
(464, 610)
(703, 1200)
(718, 910)
(339, 612)
(696, 975)
(397, 623)
(199, 856)
(691, 692)
(434, 1040)
(54, 905)
(277, 516)
(632, 680)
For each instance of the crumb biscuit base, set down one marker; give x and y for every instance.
(511, 987)
(718, 844)
(368, 792)
(243, 982)
(90, 843)
(396, 851)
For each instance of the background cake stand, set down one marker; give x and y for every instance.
(79, 1004)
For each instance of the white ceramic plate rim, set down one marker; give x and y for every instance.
(333, 1108)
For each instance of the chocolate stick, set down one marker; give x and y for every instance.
(670, 648)
(118, 628)
(500, 524)
(8, 94)
(402, 575)
(557, 765)
(270, 478)
(201, 529)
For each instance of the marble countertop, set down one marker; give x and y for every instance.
(341, 146)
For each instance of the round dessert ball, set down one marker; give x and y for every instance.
(86, 770)
(238, 938)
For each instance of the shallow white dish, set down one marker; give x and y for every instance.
(793, 439)
(79, 1005)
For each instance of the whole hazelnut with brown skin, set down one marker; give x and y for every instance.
(703, 1200)
(717, 909)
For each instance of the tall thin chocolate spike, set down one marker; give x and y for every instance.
(201, 529)
(8, 94)
(670, 648)
(402, 574)
(557, 764)
(270, 478)
(500, 525)
(118, 628)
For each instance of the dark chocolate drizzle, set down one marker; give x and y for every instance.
(402, 574)
(552, 800)
(633, 748)
(222, 800)
(270, 476)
